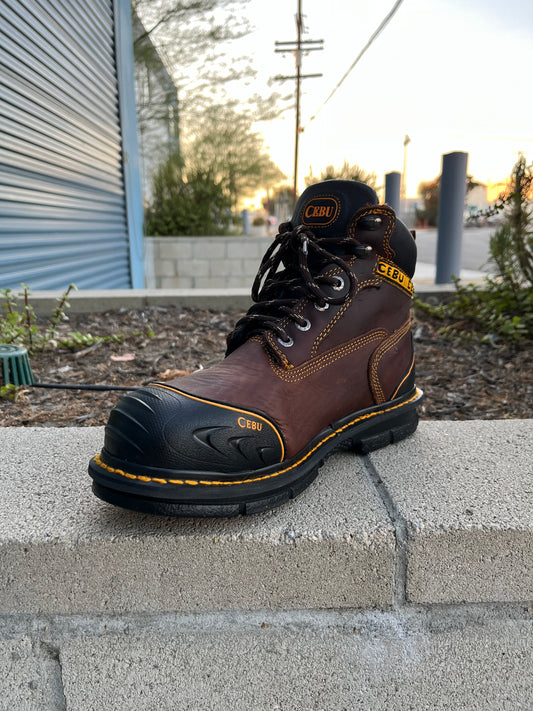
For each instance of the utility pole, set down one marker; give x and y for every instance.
(298, 48)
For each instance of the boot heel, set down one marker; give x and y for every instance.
(387, 433)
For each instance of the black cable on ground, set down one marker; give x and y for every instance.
(84, 386)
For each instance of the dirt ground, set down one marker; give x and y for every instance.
(460, 380)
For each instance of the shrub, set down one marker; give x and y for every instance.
(503, 307)
(195, 205)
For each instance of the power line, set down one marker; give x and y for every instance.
(381, 27)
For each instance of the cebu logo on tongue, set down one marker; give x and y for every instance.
(321, 211)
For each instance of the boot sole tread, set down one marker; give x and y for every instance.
(389, 423)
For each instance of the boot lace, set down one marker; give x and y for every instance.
(276, 291)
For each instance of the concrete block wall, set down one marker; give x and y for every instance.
(399, 580)
(203, 262)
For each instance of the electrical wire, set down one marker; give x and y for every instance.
(381, 27)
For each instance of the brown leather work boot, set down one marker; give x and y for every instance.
(323, 361)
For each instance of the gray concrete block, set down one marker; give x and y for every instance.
(251, 266)
(242, 281)
(171, 282)
(465, 491)
(193, 267)
(222, 268)
(210, 282)
(236, 268)
(212, 248)
(484, 669)
(165, 268)
(30, 677)
(173, 248)
(64, 551)
(247, 248)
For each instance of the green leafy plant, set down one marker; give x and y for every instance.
(9, 391)
(75, 340)
(502, 308)
(19, 326)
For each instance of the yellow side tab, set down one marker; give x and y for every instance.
(395, 276)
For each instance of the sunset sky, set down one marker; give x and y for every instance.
(455, 75)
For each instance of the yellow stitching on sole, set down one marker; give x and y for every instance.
(368, 416)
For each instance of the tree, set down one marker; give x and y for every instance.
(186, 29)
(189, 202)
(428, 191)
(224, 143)
(191, 36)
(280, 200)
(346, 172)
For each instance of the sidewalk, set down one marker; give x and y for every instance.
(425, 277)
(399, 580)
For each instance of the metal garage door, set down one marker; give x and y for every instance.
(63, 208)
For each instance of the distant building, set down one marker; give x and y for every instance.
(70, 188)
(476, 200)
(157, 107)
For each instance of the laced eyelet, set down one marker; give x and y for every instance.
(340, 284)
(305, 327)
(369, 222)
(286, 344)
(322, 308)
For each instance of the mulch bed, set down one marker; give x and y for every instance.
(461, 380)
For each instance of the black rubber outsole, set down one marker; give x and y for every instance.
(256, 491)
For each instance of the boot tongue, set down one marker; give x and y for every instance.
(327, 208)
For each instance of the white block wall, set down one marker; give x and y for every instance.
(203, 262)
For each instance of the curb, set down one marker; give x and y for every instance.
(101, 300)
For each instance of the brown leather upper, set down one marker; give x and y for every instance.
(353, 356)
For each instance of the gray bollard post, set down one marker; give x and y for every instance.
(393, 182)
(246, 222)
(450, 222)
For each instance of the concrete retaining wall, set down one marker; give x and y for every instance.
(203, 262)
(400, 580)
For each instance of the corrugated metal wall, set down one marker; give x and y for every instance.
(62, 199)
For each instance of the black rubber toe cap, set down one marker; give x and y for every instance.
(162, 428)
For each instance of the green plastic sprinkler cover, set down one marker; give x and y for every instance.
(15, 365)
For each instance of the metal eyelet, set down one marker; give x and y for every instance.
(369, 222)
(286, 344)
(305, 327)
(322, 308)
(340, 284)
